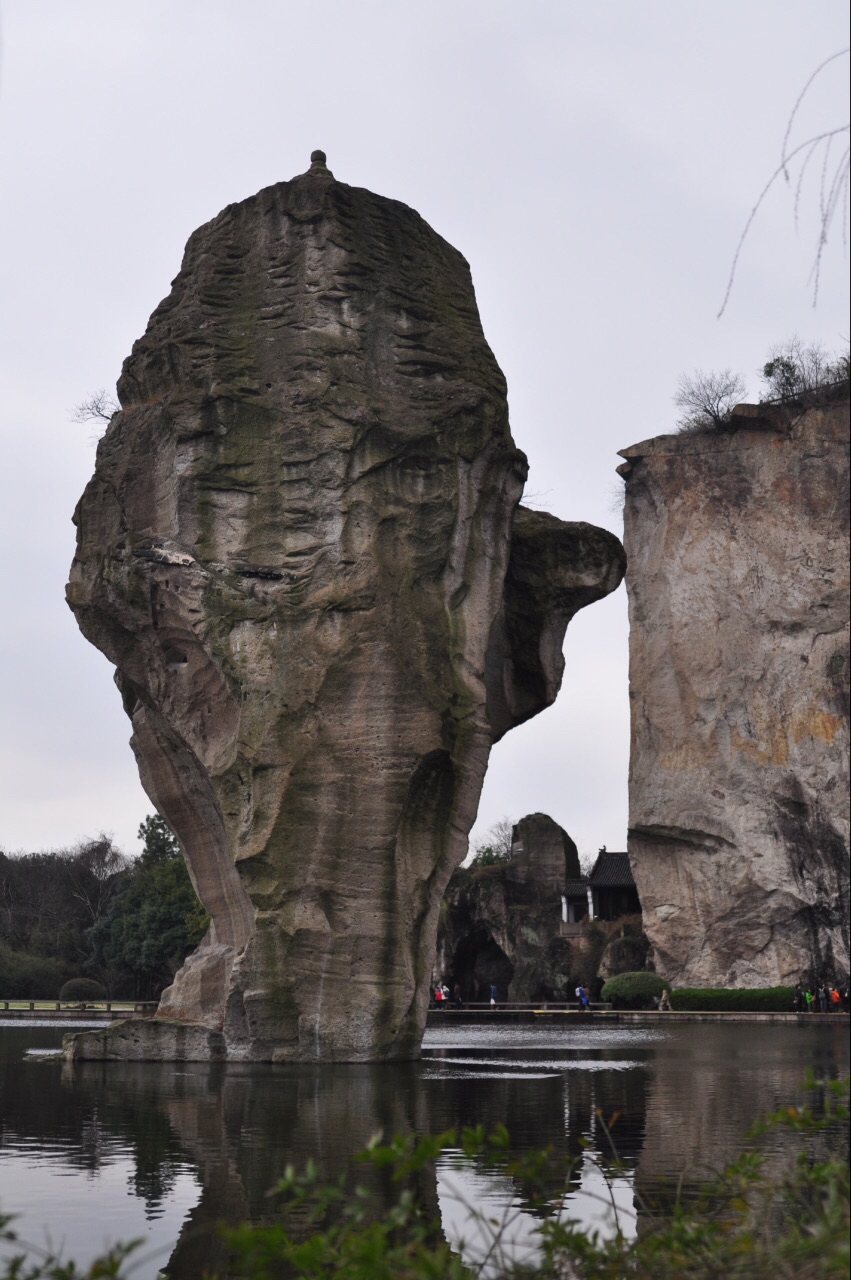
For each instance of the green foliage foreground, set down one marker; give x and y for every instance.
(747, 1224)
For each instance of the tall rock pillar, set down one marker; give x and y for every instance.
(302, 551)
(738, 542)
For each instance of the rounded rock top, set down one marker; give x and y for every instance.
(318, 166)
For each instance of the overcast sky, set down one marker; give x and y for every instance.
(595, 163)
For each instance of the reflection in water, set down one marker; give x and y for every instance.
(711, 1086)
(241, 1125)
(484, 1218)
(195, 1144)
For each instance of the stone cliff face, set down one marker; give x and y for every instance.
(738, 545)
(302, 550)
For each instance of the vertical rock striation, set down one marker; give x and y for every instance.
(738, 544)
(302, 551)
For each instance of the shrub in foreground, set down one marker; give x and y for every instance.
(83, 989)
(633, 990)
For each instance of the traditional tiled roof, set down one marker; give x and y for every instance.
(612, 871)
(573, 888)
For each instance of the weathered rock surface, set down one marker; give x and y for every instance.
(146, 1040)
(302, 550)
(543, 858)
(501, 924)
(738, 545)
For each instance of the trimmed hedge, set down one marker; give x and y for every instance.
(636, 991)
(83, 989)
(633, 990)
(736, 1000)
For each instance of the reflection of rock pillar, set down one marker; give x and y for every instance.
(697, 1120)
(245, 1132)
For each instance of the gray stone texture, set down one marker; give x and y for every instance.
(737, 543)
(543, 857)
(302, 550)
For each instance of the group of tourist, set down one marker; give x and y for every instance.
(442, 996)
(826, 998)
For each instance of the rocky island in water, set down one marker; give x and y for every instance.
(303, 550)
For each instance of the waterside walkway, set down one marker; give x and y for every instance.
(40, 1010)
(529, 1015)
(470, 1015)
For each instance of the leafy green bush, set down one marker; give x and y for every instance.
(798, 371)
(28, 977)
(153, 922)
(738, 1000)
(83, 989)
(487, 856)
(633, 990)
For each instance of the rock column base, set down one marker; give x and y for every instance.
(146, 1040)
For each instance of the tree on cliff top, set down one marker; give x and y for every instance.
(796, 373)
(796, 370)
(496, 846)
(707, 399)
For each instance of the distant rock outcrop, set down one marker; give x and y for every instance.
(523, 924)
(302, 550)
(738, 544)
(501, 924)
(543, 858)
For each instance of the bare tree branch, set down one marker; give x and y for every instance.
(97, 408)
(708, 399)
(816, 139)
(832, 189)
(785, 148)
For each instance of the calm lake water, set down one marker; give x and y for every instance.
(102, 1152)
